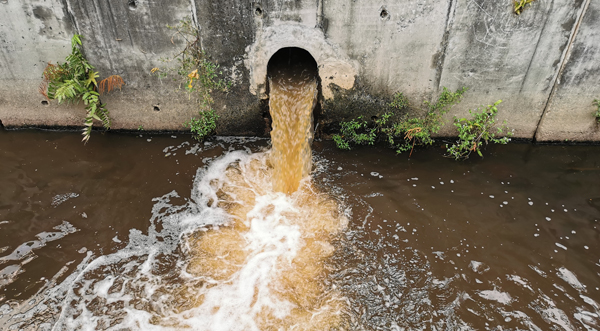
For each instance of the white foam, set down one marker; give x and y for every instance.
(495, 295)
(569, 277)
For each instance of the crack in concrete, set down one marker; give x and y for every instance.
(536, 46)
(564, 59)
(196, 22)
(444, 44)
(69, 12)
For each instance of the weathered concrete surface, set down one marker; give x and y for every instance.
(570, 113)
(501, 56)
(397, 49)
(334, 66)
(543, 64)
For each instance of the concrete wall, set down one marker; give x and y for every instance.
(544, 64)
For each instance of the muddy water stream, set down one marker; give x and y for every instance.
(142, 232)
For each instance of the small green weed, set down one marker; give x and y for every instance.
(520, 5)
(472, 133)
(597, 113)
(75, 80)
(355, 132)
(400, 101)
(204, 125)
(405, 134)
(402, 135)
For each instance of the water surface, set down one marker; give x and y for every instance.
(99, 234)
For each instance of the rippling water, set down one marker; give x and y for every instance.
(106, 236)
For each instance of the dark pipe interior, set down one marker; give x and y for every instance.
(292, 59)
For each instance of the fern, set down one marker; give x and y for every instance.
(110, 83)
(75, 80)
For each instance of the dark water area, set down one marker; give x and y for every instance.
(510, 242)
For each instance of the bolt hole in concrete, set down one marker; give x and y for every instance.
(258, 11)
(156, 107)
(132, 4)
(44, 102)
(384, 13)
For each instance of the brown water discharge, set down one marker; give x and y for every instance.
(293, 98)
(267, 266)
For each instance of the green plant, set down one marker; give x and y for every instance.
(519, 5)
(354, 132)
(140, 128)
(401, 135)
(410, 132)
(204, 125)
(472, 133)
(400, 102)
(196, 74)
(75, 80)
(597, 113)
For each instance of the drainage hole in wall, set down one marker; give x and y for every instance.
(132, 4)
(384, 13)
(44, 102)
(258, 11)
(156, 108)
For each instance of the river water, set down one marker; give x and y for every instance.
(155, 232)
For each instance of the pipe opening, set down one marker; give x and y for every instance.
(292, 63)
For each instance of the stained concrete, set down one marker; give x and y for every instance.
(543, 63)
(502, 56)
(570, 112)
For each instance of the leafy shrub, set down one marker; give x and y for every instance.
(75, 80)
(597, 113)
(354, 132)
(401, 135)
(204, 125)
(472, 133)
(519, 5)
(410, 132)
(400, 101)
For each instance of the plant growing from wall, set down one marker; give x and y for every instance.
(404, 134)
(74, 81)
(473, 133)
(360, 132)
(355, 132)
(204, 125)
(196, 75)
(519, 5)
(597, 113)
